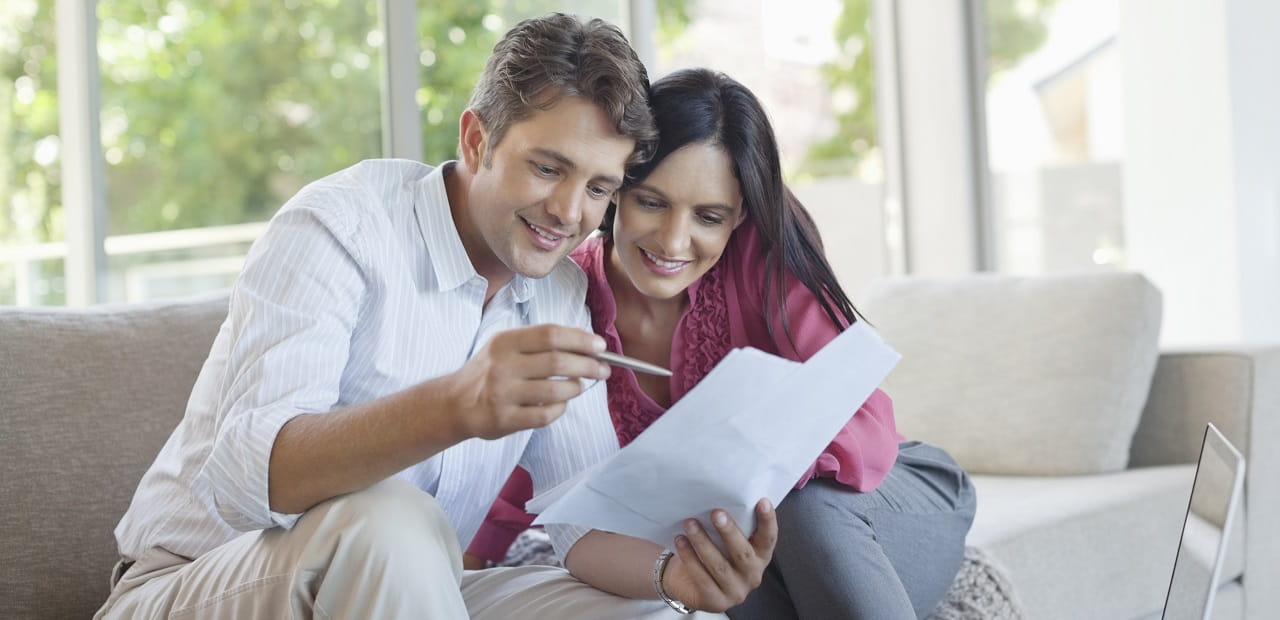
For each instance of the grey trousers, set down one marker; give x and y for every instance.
(888, 554)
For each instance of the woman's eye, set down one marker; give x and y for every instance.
(711, 220)
(545, 171)
(649, 204)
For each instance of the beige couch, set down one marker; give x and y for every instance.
(88, 396)
(1079, 434)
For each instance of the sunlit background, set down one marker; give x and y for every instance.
(211, 113)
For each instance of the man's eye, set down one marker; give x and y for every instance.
(598, 192)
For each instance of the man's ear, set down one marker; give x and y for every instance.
(472, 140)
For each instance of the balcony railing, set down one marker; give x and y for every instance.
(145, 265)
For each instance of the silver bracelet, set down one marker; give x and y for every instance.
(660, 569)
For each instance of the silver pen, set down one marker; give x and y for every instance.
(634, 364)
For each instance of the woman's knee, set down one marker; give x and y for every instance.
(819, 519)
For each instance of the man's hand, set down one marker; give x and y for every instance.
(522, 379)
(704, 578)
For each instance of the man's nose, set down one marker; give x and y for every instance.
(566, 204)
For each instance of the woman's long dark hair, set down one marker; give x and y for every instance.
(704, 106)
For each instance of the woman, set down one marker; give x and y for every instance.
(706, 250)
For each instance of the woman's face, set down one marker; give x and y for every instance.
(672, 226)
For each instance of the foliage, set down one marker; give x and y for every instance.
(673, 18)
(29, 172)
(217, 111)
(1014, 28)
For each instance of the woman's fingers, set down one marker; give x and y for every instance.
(747, 561)
(765, 538)
(721, 579)
(731, 570)
(707, 593)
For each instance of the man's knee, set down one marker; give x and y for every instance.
(390, 518)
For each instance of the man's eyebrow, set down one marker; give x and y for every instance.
(567, 163)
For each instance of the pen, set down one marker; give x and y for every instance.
(634, 364)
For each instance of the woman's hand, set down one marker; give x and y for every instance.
(704, 578)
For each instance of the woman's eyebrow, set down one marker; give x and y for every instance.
(651, 189)
(719, 206)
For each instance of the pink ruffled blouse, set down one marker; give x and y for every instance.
(725, 311)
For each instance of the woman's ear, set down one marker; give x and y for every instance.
(472, 140)
(742, 217)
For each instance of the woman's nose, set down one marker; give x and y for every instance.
(674, 235)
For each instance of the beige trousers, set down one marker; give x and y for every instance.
(385, 552)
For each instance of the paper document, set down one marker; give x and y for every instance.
(749, 430)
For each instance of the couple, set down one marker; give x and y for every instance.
(403, 336)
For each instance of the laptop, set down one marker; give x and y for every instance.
(1202, 551)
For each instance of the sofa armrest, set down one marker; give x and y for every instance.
(1238, 389)
(1227, 386)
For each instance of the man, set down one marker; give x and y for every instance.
(401, 320)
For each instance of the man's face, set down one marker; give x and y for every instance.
(544, 188)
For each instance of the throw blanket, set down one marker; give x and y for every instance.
(980, 591)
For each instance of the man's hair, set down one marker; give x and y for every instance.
(544, 59)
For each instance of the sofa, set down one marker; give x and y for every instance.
(1081, 460)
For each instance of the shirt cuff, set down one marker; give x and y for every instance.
(564, 536)
(238, 466)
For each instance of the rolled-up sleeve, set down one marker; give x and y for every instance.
(290, 319)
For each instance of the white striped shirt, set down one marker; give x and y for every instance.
(359, 288)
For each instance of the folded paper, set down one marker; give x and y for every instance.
(750, 429)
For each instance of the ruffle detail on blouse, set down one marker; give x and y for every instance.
(628, 413)
(704, 331)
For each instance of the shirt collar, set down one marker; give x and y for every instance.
(449, 260)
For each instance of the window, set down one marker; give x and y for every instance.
(1054, 135)
(30, 191)
(213, 115)
(456, 37)
(813, 72)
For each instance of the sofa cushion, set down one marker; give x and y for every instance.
(1015, 375)
(1086, 546)
(87, 398)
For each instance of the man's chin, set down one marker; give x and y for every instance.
(536, 266)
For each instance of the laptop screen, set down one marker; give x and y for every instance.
(1196, 570)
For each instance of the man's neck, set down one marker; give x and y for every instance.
(456, 181)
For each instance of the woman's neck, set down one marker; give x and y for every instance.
(646, 326)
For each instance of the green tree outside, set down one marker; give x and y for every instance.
(1014, 28)
(216, 111)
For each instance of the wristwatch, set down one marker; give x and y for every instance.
(660, 569)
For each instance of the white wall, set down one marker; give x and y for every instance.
(850, 218)
(1202, 165)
